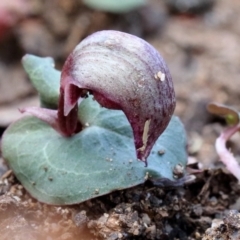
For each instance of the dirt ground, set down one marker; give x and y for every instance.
(200, 45)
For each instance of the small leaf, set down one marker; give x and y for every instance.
(44, 78)
(115, 6)
(230, 114)
(94, 162)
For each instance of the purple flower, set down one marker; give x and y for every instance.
(122, 72)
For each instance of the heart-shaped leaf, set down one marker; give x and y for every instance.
(94, 162)
(98, 160)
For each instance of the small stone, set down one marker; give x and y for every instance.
(178, 171)
(161, 152)
(146, 219)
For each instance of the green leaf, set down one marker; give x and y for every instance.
(44, 78)
(115, 6)
(94, 162)
(230, 114)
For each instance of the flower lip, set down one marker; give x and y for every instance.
(123, 72)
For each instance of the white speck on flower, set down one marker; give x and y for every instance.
(160, 76)
(145, 135)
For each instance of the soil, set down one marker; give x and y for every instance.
(200, 45)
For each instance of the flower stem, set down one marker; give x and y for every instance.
(67, 124)
(225, 155)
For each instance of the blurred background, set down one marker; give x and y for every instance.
(199, 40)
